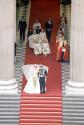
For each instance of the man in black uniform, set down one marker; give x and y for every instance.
(22, 27)
(42, 79)
(48, 29)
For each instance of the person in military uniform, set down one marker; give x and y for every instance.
(42, 73)
(48, 29)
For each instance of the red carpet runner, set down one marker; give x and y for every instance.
(44, 109)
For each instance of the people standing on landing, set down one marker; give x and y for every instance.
(22, 28)
(48, 29)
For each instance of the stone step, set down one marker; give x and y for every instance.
(8, 105)
(71, 121)
(9, 113)
(78, 118)
(9, 117)
(74, 115)
(41, 113)
(13, 109)
(75, 123)
(41, 105)
(41, 123)
(77, 106)
(40, 109)
(40, 120)
(73, 98)
(40, 117)
(72, 110)
(41, 100)
(9, 121)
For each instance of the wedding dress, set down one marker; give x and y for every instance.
(31, 73)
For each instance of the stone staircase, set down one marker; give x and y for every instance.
(20, 56)
(73, 106)
(66, 9)
(9, 109)
(40, 110)
(73, 110)
(21, 46)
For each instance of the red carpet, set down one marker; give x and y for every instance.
(43, 10)
(45, 109)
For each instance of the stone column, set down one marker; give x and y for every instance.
(76, 84)
(7, 39)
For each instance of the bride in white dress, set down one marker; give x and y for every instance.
(31, 74)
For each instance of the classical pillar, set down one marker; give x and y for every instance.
(7, 39)
(76, 84)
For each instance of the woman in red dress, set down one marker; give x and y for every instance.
(59, 50)
(63, 51)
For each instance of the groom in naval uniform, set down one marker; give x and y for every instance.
(42, 79)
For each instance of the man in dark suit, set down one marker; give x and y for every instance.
(22, 27)
(48, 29)
(42, 79)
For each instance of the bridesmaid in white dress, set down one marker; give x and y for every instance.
(42, 35)
(37, 48)
(31, 74)
(46, 48)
